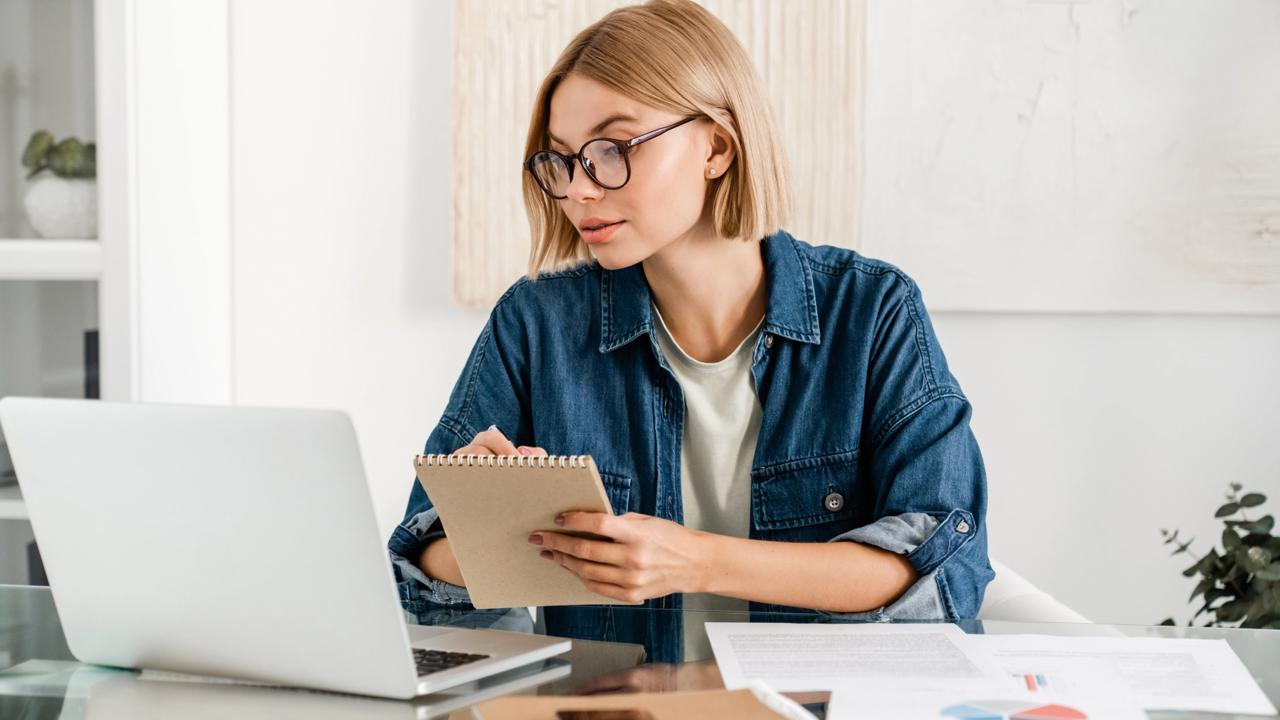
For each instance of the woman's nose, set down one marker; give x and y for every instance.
(582, 188)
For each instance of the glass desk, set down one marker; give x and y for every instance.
(39, 678)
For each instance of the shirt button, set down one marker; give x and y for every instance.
(962, 527)
(768, 341)
(834, 502)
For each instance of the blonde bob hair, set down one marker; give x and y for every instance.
(677, 56)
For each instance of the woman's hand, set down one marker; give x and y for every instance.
(648, 558)
(493, 442)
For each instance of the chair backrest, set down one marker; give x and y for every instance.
(1012, 597)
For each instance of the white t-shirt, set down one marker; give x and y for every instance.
(721, 423)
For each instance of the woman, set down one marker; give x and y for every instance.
(774, 422)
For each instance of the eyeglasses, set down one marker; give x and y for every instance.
(605, 160)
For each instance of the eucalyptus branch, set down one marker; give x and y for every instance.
(1242, 583)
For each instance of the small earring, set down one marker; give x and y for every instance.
(713, 172)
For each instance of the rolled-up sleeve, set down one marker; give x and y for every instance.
(419, 593)
(931, 488)
(490, 391)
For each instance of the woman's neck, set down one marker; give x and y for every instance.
(710, 291)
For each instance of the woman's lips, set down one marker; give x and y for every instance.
(599, 235)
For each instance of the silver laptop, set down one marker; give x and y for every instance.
(230, 542)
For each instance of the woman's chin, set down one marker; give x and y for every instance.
(615, 258)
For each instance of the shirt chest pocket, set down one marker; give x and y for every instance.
(618, 488)
(808, 500)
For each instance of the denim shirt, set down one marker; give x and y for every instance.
(864, 438)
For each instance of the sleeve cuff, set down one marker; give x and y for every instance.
(415, 587)
(927, 543)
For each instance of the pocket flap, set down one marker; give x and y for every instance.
(804, 492)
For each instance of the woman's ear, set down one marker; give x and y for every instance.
(721, 155)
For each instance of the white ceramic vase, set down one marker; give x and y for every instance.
(62, 207)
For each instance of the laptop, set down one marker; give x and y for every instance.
(230, 542)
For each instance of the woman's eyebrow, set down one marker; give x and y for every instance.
(616, 117)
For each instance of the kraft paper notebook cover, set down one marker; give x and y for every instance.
(489, 504)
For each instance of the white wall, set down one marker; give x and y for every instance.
(1097, 430)
(341, 163)
(1077, 156)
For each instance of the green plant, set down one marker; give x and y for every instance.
(1245, 576)
(69, 158)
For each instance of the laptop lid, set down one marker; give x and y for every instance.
(227, 541)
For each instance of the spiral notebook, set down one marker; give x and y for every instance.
(489, 504)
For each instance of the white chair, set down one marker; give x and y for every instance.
(1012, 597)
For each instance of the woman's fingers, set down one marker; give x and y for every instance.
(493, 442)
(497, 443)
(586, 570)
(484, 450)
(629, 595)
(617, 527)
(489, 442)
(597, 551)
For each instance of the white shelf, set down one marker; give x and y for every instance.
(11, 505)
(23, 259)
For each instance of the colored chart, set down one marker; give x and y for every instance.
(1009, 710)
(1034, 682)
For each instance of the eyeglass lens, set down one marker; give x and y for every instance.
(603, 160)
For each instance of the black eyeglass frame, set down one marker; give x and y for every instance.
(624, 148)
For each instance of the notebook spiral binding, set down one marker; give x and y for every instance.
(547, 461)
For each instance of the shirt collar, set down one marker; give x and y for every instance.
(791, 309)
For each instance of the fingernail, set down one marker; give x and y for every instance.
(525, 450)
(559, 519)
(545, 554)
(535, 539)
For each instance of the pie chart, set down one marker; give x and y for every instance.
(1010, 710)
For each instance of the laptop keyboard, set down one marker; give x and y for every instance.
(430, 661)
